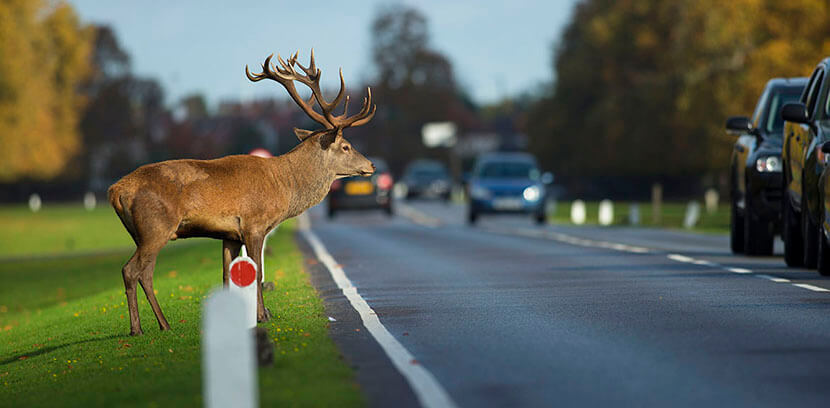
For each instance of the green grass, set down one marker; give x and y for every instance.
(671, 216)
(64, 323)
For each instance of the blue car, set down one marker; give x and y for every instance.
(506, 183)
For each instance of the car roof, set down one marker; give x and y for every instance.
(507, 156)
(425, 163)
(793, 83)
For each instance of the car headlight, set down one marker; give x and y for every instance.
(479, 193)
(769, 164)
(532, 193)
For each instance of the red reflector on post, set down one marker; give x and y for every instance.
(385, 181)
(243, 273)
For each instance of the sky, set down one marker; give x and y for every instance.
(497, 48)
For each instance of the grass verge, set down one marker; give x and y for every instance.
(64, 323)
(671, 216)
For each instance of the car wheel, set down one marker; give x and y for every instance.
(330, 212)
(810, 232)
(472, 216)
(823, 260)
(791, 234)
(540, 218)
(758, 237)
(736, 230)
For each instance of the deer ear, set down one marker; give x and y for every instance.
(326, 139)
(302, 134)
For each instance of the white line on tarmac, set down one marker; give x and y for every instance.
(773, 278)
(416, 216)
(426, 388)
(811, 287)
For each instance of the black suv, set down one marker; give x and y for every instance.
(805, 131)
(755, 171)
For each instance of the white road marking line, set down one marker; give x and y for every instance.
(679, 258)
(739, 270)
(811, 287)
(773, 278)
(426, 388)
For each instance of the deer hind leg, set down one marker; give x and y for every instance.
(130, 273)
(230, 250)
(254, 246)
(146, 280)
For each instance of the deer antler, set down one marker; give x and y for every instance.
(286, 74)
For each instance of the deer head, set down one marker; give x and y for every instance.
(338, 152)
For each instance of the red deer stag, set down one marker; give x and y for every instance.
(237, 199)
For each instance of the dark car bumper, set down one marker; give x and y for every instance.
(765, 192)
(507, 205)
(342, 201)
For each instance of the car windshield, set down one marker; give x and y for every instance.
(429, 173)
(775, 124)
(509, 169)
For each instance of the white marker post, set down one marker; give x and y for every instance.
(692, 215)
(606, 212)
(578, 212)
(89, 201)
(229, 375)
(35, 203)
(243, 283)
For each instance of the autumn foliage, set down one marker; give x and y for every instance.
(44, 58)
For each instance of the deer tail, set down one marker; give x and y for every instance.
(119, 202)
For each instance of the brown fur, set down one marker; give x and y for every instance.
(237, 199)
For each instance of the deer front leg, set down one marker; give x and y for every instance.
(254, 246)
(130, 282)
(230, 250)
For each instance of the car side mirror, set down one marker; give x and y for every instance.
(795, 112)
(739, 124)
(547, 177)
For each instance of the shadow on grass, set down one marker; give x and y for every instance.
(45, 350)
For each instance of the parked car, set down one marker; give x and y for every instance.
(805, 130)
(427, 178)
(756, 183)
(363, 193)
(506, 183)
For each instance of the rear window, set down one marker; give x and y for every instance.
(775, 124)
(509, 170)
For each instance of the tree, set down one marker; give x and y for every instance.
(43, 60)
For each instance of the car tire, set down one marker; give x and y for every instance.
(791, 234)
(736, 230)
(758, 236)
(823, 258)
(330, 212)
(810, 232)
(539, 218)
(472, 216)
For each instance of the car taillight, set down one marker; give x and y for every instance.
(385, 181)
(336, 185)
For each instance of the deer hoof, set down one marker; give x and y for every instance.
(264, 317)
(136, 332)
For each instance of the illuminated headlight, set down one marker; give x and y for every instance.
(532, 193)
(769, 164)
(479, 193)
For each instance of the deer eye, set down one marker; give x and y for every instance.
(345, 148)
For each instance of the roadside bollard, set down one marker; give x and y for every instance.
(711, 198)
(578, 212)
(692, 215)
(634, 214)
(242, 283)
(606, 212)
(89, 201)
(35, 203)
(229, 377)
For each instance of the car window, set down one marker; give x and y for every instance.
(809, 87)
(813, 95)
(775, 123)
(759, 108)
(508, 169)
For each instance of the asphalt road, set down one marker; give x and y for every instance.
(510, 314)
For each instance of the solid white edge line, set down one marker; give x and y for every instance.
(426, 388)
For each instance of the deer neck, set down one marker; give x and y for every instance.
(308, 177)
